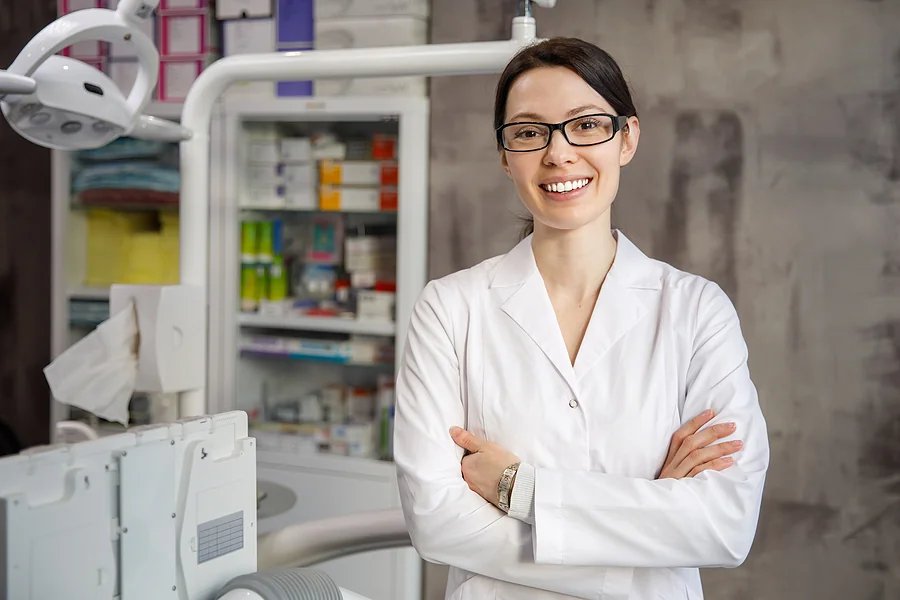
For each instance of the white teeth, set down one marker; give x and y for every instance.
(567, 186)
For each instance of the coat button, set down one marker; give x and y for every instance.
(573, 403)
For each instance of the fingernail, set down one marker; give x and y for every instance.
(731, 426)
(708, 412)
(728, 459)
(737, 443)
(454, 430)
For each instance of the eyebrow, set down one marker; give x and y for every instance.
(569, 114)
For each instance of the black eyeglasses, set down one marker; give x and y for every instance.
(587, 130)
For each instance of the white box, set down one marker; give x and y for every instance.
(243, 9)
(300, 198)
(332, 9)
(270, 197)
(187, 35)
(299, 174)
(335, 34)
(261, 175)
(170, 354)
(376, 306)
(248, 36)
(263, 152)
(377, 86)
(296, 150)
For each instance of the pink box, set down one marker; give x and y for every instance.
(186, 35)
(177, 75)
(180, 5)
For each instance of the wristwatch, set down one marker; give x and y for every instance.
(505, 485)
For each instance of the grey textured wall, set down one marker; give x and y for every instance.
(769, 161)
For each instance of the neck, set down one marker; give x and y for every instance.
(574, 263)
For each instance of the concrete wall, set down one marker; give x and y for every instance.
(769, 161)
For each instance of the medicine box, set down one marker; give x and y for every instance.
(357, 172)
(298, 174)
(296, 149)
(340, 198)
(294, 24)
(332, 9)
(243, 9)
(187, 35)
(248, 36)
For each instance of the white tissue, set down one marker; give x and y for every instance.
(98, 373)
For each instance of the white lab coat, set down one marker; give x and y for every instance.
(485, 352)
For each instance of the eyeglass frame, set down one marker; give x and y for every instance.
(619, 122)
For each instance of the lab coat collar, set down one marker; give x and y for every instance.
(622, 302)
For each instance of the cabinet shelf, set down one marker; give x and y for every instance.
(322, 324)
(88, 293)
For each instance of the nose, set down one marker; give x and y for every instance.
(560, 151)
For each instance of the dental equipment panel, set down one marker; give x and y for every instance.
(161, 512)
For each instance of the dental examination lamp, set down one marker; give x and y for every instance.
(66, 104)
(169, 511)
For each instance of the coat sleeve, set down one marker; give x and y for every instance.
(449, 523)
(710, 520)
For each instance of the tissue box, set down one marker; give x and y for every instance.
(170, 355)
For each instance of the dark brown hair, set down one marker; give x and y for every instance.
(593, 64)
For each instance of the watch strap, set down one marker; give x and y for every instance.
(505, 486)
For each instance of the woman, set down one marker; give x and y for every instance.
(551, 402)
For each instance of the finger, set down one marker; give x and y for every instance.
(719, 464)
(464, 439)
(689, 428)
(703, 438)
(704, 455)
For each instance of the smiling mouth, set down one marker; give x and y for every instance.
(564, 187)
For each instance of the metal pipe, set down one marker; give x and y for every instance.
(429, 60)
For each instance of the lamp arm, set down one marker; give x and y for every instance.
(88, 25)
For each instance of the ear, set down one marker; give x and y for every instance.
(505, 162)
(631, 134)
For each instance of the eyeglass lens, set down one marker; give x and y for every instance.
(591, 129)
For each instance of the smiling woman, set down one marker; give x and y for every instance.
(567, 413)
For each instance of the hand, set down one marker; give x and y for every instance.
(690, 451)
(484, 466)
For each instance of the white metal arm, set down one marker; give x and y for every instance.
(314, 542)
(429, 60)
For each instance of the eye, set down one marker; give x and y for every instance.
(587, 124)
(527, 133)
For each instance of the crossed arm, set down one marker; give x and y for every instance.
(583, 521)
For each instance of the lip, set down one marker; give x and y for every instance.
(567, 196)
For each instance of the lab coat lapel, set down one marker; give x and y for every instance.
(621, 304)
(524, 298)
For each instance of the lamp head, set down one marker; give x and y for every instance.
(74, 105)
(63, 103)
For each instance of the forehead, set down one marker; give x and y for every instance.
(549, 93)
